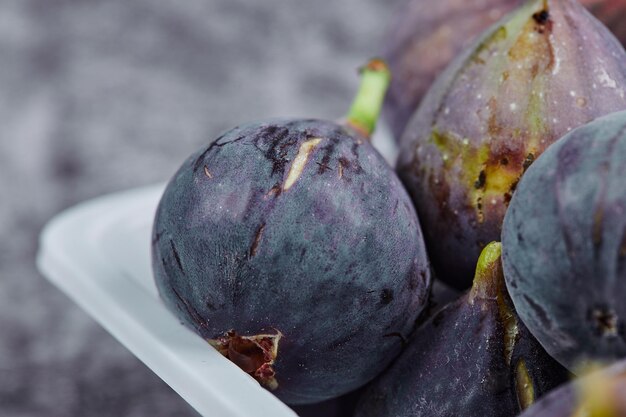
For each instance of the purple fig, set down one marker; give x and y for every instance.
(542, 71)
(472, 358)
(564, 239)
(423, 37)
(600, 394)
(293, 248)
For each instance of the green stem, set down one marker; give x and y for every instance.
(488, 280)
(365, 110)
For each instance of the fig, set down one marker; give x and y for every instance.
(564, 240)
(600, 394)
(423, 37)
(293, 248)
(473, 358)
(543, 70)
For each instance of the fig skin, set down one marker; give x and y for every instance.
(600, 394)
(334, 261)
(423, 37)
(543, 70)
(564, 240)
(472, 358)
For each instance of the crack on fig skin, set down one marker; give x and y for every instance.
(280, 142)
(257, 239)
(323, 166)
(193, 313)
(176, 256)
(605, 321)
(216, 144)
(299, 162)
(343, 162)
(255, 355)
(207, 172)
(355, 165)
(275, 191)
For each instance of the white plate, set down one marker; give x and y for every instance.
(98, 253)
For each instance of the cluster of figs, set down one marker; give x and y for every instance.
(483, 275)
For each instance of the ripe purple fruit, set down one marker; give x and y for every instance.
(472, 358)
(293, 248)
(424, 36)
(543, 70)
(564, 240)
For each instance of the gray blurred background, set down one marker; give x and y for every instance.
(101, 96)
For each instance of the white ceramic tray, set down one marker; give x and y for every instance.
(98, 253)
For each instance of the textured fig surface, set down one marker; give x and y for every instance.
(423, 37)
(564, 240)
(300, 230)
(473, 358)
(545, 69)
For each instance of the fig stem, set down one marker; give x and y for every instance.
(366, 107)
(488, 278)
